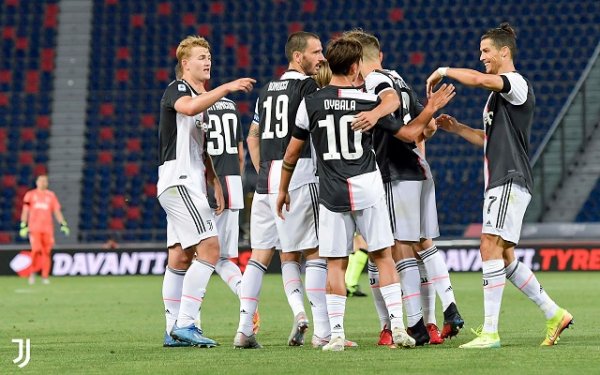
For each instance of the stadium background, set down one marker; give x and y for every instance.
(81, 81)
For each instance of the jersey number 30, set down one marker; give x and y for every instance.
(344, 129)
(222, 135)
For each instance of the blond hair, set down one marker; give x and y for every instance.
(184, 49)
(370, 43)
(323, 76)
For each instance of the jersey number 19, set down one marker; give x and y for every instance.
(281, 117)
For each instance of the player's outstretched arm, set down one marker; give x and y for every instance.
(364, 121)
(451, 125)
(213, 180)
(292, 154)
(412, 131)
(253, 141)
(192, 106)
(467, 77)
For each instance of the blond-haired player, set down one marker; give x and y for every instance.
(185, 169)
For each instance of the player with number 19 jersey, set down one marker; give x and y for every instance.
(275, 113)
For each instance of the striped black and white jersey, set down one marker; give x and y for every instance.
(181, 142)
(349, 179)
(223, 135)
(507, 120)
(275, 114)
(396, 158)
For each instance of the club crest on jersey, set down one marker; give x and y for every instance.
(201, 125)
(488, 117)
(181, 87)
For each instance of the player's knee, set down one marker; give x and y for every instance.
(208, 250)
(491, 247)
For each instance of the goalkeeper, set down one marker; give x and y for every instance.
(36, 223)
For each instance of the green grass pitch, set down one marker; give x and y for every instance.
(114, 325)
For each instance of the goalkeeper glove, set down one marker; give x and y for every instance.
(65, 228)
(24, 231)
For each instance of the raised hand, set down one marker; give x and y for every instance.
(242, 84)
(364, 121)
(442, 96)
(447, 122)
(432, 81)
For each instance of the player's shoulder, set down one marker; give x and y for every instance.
(223, 104)
(178, 85)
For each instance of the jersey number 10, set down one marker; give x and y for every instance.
(344, 129)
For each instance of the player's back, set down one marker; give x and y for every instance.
(223, 135)
(275, 114)
(349, 178)
(396, 158)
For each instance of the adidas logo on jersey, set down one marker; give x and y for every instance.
(296, 291)
(488, 224)
(337, 326)
(449, 289)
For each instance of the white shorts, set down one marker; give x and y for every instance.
(299, 229)
(503, 211)
(429, 218)
(336, 230)
(189, 217)
(228, 226)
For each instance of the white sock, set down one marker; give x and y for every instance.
(316, 282)
(522, 277)
(392, 294)
(230, 273)
(438, 275)
(494, 278)
(171, 293)
(336, 306)
(249, 291)
(384, 318)
(411, 289)
(292, 284)
(194, 286)
(427, 295)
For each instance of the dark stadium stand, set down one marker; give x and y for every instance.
(27, 46)
(132, 61)
(591, 208)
